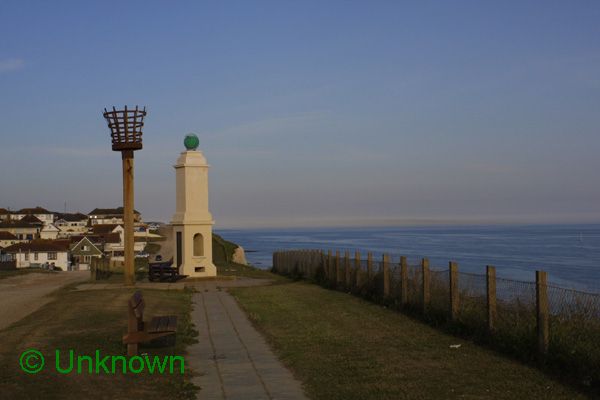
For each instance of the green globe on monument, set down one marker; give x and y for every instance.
(191, 141)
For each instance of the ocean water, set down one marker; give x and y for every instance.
(570, 254)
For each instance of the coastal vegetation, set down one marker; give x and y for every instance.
(343, 347)
(545, 326)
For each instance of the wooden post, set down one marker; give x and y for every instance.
(329, 266)
(491, 297)
(347, 270)
(357, 270)
(541, 291)
(93, 266)
(370, 266)
(454, 299)
(403, 281)
(338, 272)
(426, 284)
(386, 275)
(128, 271)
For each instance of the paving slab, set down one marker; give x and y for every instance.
(231, 359)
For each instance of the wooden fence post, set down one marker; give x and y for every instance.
(403, 281)
(541, 281)
(357, 270)
(386, 275)
(453, 278)
(426, 284)
(370, 266)
(329, 267)
(347, 270)
(338, 274)
(491, 297)
(93, 266)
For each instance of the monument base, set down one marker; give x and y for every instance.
(193, 249)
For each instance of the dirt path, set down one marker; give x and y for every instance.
(23, 294)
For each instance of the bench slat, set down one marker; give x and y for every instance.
(163, 324)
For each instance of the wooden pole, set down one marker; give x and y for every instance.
(347, 270)
(338, 274)
(329, 267)
(128, 271)
(386, 275)
(403, 281)
(454, 305)
(369, 266)
(491, 297)
(541, 279)
(426, 284)
(357, 270)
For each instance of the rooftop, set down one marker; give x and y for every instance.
(39, 246)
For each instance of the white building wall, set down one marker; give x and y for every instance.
(62, 259)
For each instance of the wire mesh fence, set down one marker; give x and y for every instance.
(527, 319)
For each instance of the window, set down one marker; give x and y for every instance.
(52, 255)
(198, 245)
(85, 247)
(29, 236)
(26, 256)
(35, 256)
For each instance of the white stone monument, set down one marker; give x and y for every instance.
(192, 222)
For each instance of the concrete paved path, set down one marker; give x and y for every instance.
(232, 359)
(23, 294)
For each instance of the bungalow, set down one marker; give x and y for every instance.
(49, 231)
(82, 253)
(47, 217)
(110, 216)
(114, 245)
(39, 252)
(22, 229)
(71, 224)
(7, 239)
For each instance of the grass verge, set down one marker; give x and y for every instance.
(343, 347)
(86, 321)
(23, 271)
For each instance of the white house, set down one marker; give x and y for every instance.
(49, 231)
(39, 252)
(72, 224)
(47, 217)
(7, 239)
(110, 216)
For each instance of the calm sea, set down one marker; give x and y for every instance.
(569, 253)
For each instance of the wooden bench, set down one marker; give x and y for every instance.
(139, 331)
(163, 272)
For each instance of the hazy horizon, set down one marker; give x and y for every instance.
(311, 113)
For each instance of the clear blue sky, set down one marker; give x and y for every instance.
(317, 112)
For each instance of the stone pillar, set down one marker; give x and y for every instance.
(192, 222)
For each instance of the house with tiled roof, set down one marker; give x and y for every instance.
(110, 216)
(71, 224)
(7, 239)
(37, 253)
(23, 230)
(47, 217)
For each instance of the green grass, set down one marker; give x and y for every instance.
(222, 250)
(85, 321)
(23, 271)
(343, 347)
(248, 271)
